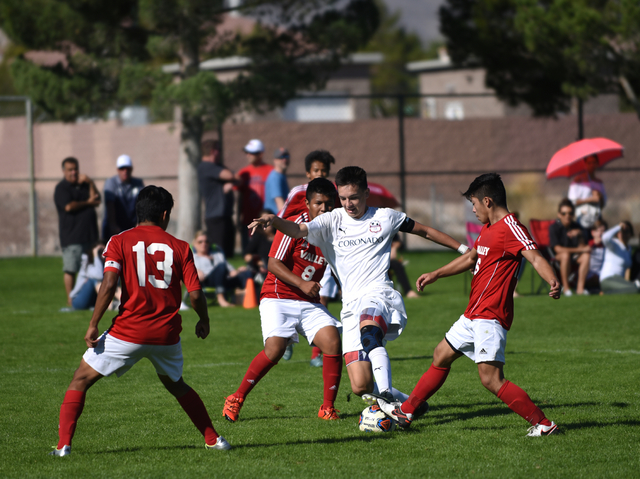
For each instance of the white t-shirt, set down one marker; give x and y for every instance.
(358, 250)
(617, 257)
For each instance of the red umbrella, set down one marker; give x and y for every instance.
(570, 160)
(381, 197)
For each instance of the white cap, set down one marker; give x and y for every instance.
(254, 146)
(124, 161)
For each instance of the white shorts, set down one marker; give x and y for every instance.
(112, 355)
(285, 318)
(328, 285)
(481, 340)
(389, 314)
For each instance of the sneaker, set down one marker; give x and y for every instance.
(232, 406)
(372, 398)
(584, 293)
(288, 353)
(316, 362)
(221, 444)
(65, 451)
(328, 414)
(421, 411)
(395, 413)
(568, 293)
(540, 430)
(183, 306)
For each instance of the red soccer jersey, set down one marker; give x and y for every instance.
(302, 258)
(296, 202)
(151, 263)
(499, 249)
(252, 179)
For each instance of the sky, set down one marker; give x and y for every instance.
(419, 16)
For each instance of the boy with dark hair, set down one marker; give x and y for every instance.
(568, 244)
(289, 304)
(150, 263)
(356, 241)
(481, 332)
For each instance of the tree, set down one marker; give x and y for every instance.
(114, 50)
(399, 48)
(546, 52)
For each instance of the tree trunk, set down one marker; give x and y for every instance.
(188, 194)
(190, 139)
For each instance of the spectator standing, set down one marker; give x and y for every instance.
(76, 198)
(568, 244)
(587, 194)
(251, 183)
(276, 188)
(617, 260)
(215, 182)
(120, 193)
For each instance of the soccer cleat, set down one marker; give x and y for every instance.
(65, 451)
(540, 430)
(316, 362)
(395, 413)
(288, 353)
(372, 398)
(221, 444)
(328, 414)
(232, 406)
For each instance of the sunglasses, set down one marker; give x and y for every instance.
(565, 213)
(202, 241)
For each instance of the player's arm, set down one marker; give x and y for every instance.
(287, 227)
(105, 296)
(544, 269)
(280, 270)
(199, 305)
(413, 227)
(457, 266)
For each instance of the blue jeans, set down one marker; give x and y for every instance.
(86, 297)
(219, 278)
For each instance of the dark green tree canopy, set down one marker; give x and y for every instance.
(544, 53)
(114, 49)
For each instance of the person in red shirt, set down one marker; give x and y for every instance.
(251, 180)
(481, 332)
(289, 304)
(150, 264)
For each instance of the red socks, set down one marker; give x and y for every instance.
(260, 366)
(197, 412)
(70, 411)
(331, 374)
(315, 352)
(429, 383)
(520, 403)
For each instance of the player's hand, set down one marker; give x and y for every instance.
(424, 280)
(92, 336)
(264, 221)
(555, 289)
(310, 288)
(202, 329)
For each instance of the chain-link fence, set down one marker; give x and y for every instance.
(425, 149)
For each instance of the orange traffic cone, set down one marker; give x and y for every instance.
(250, 300)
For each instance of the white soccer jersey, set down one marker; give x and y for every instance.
(358, 250)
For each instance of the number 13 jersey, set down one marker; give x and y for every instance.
(303, 259)
(151, 263)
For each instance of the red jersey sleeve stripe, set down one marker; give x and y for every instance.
(286, 240)
(292, 194)
(519, 233)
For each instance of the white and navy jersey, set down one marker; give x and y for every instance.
(358, 250)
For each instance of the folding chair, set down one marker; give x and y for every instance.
(539, 230)
(473, 231)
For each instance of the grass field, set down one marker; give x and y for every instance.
(578, 358)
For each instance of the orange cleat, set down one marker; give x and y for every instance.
(328, 414)
(232, 406)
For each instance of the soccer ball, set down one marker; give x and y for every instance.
(373, 419)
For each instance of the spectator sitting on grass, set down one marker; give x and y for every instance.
(615, 274)
(215, 271)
